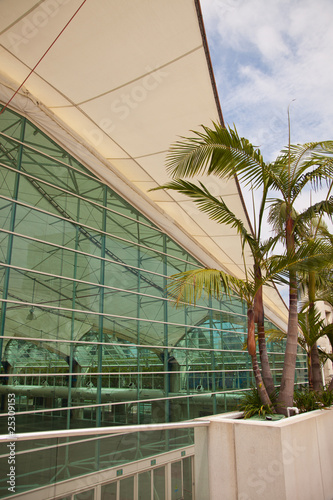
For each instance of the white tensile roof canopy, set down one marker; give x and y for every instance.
(122, 82)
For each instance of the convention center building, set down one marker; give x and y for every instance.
(92, 95)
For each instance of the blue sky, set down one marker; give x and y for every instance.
(267, 54)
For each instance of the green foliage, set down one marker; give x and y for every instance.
(326, 397)
(251, 404)
(188, 286)
(308, 400)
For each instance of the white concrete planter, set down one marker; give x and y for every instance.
(289, 459)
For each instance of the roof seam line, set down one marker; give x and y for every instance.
(150, 72)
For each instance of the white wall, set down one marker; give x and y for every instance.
(288, 459)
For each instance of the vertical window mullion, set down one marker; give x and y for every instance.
(11, 236)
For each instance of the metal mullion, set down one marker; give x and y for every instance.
(135, 486)
(71, 355)
(10, 239)
(166, 352)
(101, 311)
(168, 485)
(118, 489)
(65, 374)
(186, 364)
(139, 379)
(212, 354)
(182, 475)
(151, 484)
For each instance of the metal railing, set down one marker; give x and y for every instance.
(94, 431)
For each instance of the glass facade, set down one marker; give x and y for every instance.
(88, 334)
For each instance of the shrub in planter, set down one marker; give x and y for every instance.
(308, 400)
(251, 404)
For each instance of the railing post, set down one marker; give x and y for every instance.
(215, 461)
(201, 465)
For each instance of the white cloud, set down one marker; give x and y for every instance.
(266, 54)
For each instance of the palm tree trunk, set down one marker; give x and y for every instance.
(286, 394)
(309, 362)
(265, 367)
(317, 379)
(259, 318)
(251, 347)
(330, 387)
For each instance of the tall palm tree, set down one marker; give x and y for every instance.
(221, 152)
(312, 327)
(296, 168)
(324, 292)
(214, 152)
(312, 282)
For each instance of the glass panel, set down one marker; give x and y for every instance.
(144, 486)
(11, 124)
(159, 483)
(9, 151)
(187, 478)
(7, 181)
(109, 491)
(5, 214)
(127, 488)
(176, 481)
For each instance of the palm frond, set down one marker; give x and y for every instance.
(215, 208)
(274, 335)
(311, 326)
(219, 151)
(189, 286)
(309, 257)
(321, 207)
(302, 164)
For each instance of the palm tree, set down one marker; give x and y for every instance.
(208, 154)
(220, 151)
(324, 292)
(312, 327)
(313, 282)
(295, 169)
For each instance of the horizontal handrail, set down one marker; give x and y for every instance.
(123, 429)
